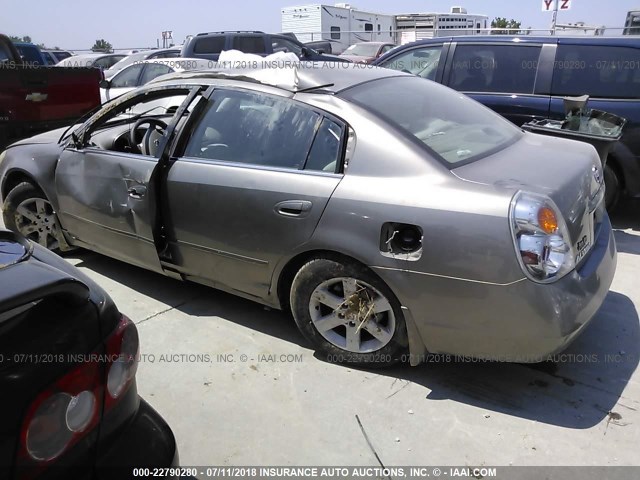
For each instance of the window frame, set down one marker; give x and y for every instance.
(607, 59)
(126, 70)
(448, 75)
(186, 133)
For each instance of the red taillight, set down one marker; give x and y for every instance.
(69, 409)
(61, 415)
(122, 350)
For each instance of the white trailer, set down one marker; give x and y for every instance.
(341, 24)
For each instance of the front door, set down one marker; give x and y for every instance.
(105, 180)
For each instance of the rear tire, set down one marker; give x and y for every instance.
(612, 187)
(28, 211)
(348, 314)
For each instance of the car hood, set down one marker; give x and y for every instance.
(561, 169)
(51, 136)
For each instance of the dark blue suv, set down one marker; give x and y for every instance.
(526, 77)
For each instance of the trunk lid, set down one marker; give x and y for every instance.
(567, 171)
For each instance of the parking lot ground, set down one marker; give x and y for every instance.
(240, 386)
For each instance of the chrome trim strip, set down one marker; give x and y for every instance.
(222, 253)
(450, 278)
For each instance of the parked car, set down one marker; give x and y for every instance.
(69, 359)
(102, 61)
(209, 45)
(320, 46)
(527, 77)
(30, 53)
(140, 57)
(366, 52)
(143, 72)
(384, 211)
(49, 59)
(58, 55)
(33, 100)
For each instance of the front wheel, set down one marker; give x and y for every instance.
(348, 313)
(28, 212)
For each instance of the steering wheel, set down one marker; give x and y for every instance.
(153, 135)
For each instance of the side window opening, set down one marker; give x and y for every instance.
(324, 155)
(257, 129)
(138, 127)
(598, 71)
(335, 33)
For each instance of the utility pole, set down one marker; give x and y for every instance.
(555, 17)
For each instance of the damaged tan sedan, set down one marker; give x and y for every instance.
(391, 215)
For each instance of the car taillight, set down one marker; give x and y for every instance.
(61, 415)
(541, 237)
(122, 351)
(68, 410)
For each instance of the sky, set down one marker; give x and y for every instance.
(76, 24)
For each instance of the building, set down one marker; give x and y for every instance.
(343, 25)
(417, 26)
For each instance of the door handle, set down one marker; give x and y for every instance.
(293, 208)
(137, 191)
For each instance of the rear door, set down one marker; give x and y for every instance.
(502, 76)
(250, 186)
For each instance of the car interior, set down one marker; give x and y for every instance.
(257, 130)
(137, 128)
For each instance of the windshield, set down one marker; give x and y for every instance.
(456, 128)
(363, 50)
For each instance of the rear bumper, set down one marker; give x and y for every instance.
(522, 322)
(147, 442)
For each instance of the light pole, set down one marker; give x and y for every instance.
(555, 17)
(166, 36)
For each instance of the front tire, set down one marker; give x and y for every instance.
(348, 313)
(28, 212)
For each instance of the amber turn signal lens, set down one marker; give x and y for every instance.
(547, 220)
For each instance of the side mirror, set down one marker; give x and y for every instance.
(105, 84)
(306, 52)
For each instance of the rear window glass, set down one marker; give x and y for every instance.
(209, 44)
(30, 54)
(251, 44)
(597, 71)
(452, 126)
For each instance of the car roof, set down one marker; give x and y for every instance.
(373, 43)
(567, 40)
(326, 77)
(180, 63)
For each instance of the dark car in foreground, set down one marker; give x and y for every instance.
(386, 212)
(523, 77)
(69, 407)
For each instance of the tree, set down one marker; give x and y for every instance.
(102, 46)
(512, 25)
(26, 39)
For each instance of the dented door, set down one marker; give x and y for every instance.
(107, 202)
